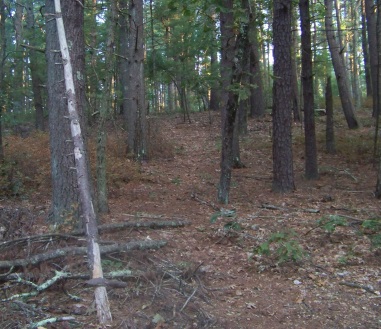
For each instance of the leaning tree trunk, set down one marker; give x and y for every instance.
(83, 179)
(339, 68)
(283, 171)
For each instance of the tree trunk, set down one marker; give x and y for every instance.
(378, 93)
(256, 101)
(365, 50)
(65, 198)
(214, 102)
(339, 68)
(3, 43)
(105, 110)
(311, 166)
(371, 23)
(17, 96)
(294, 70)
(82, 173)
(35, 70)
(283, 172)
(329, 131)
(355, 72)
(136, 105)
(228, 111)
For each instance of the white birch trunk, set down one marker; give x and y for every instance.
(88, 213)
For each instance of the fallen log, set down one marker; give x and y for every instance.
(39, 258)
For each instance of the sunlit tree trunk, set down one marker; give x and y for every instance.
(339, 68)
(283, 172)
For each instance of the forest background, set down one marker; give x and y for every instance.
(137, 62)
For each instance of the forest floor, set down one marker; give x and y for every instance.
(208, 275)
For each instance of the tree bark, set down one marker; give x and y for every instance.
(329, 131)
(378, 93)
(311, 166)
(257, 101)
(228, 112)
(83, 179)
(136, 105)
(371, 22)
(339, 68)
(3, 43)
(35, 70)
(104, 112)
(365, 50)
(65, 197)
(283, 172)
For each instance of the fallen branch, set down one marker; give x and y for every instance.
(36, 259)
(51, 320)
(102, 228)
(207, 203)
(360, 286)
(152, 225)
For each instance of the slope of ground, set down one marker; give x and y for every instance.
(208, 275)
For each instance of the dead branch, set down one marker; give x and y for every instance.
(152, 225)
(359, 286)
(207, 203)
(51, 320)
(36, 259)
(102, 228)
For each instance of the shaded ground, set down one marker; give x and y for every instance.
(208, 276)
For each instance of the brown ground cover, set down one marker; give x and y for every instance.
(207, 276)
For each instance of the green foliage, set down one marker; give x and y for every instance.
(329, 223)
(112, 265)
(373, 228)
(231, 225)
(176, 180)
(11, 179)
(223, 213)
(283, 246)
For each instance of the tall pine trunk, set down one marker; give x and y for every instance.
(283, 172)
(82, 174)
(65, 197)
(311, 166)
(339, 68)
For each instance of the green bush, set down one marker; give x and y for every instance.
(283, 247)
